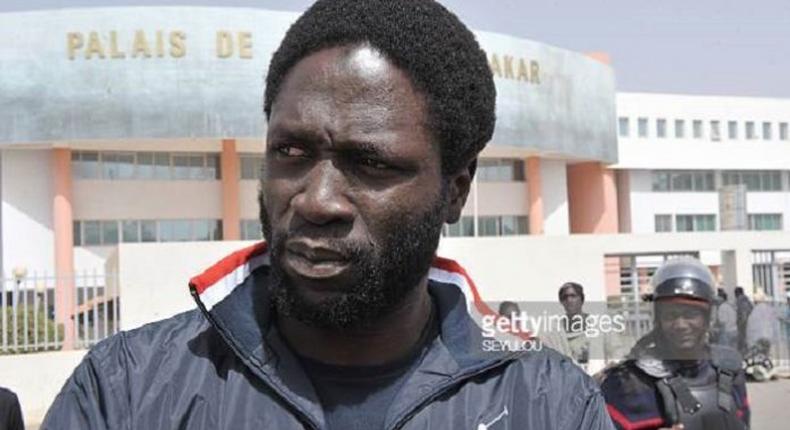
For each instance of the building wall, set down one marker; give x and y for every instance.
(27, 210)
(554, 190)
(690, 153)
(646, 203)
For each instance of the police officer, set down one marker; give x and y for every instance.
(673, 377)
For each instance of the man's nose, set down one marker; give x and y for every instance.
(323, 199)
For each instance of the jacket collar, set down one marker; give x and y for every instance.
(233, 296)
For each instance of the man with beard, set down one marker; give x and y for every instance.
(673, 378)
(344, 319)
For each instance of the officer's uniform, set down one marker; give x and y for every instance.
(649, 390)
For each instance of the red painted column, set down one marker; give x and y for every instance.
(535, 196)
(62, 228)
(231, 214)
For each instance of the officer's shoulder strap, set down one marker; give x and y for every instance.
(726, 359)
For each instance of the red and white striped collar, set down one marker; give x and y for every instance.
(219, 280)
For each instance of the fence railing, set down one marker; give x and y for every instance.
(37, 317)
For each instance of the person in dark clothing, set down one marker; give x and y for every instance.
(673, 377)
(10, 411)
(743, 308)
(345, 318)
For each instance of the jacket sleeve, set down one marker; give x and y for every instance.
(594, 415)
(87, 401)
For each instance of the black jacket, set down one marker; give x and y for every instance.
(225, 366)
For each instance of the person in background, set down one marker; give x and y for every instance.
(725, 325)
(762, 327)
(508, 309)
(673, 377)
(743, 307)
(571, 296)
(10, 411)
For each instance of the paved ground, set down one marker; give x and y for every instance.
(770, 403)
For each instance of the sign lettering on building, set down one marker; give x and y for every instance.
(94, 45)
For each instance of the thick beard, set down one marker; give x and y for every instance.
(383, 274)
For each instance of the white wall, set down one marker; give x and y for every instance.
(139, 199)
(154, 277)
(690, 153)
(27, 210)
(248, 199)
(645, 203)
(554, 191)
(498, 198)
(37, 379)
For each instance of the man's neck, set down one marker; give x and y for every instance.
(388, 339)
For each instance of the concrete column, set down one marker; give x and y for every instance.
(231, 218)
(535, 195)
(62, 228)
(592, 198)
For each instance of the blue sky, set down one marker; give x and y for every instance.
(679, 46)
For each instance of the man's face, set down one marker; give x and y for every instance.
(352, 197)
(571, 301)
(684, 326)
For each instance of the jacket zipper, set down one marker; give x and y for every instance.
(445, 387)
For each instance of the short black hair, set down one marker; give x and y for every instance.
(738, 291)
(439, 54)
(577, 287)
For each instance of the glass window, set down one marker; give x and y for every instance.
(685, 223)
(148, 231)
(697, 128)
(767, 180)
(783, 131)
(500, 170)
(251, 229)
(715, 130)
(145, 165)
(91, 233)
(661, 128)
(463, 228)
(181, 169)
(175, 230)
(162, 166)
(514, 225)
(251, 167)
(488, 226)
(217, 233)
(642, 127)
(732, 130)
(623, 126)
(201, 229)
(125, 166)
(765, 222)
(85, 165)
(212, 166)
(661, 181)
(682, 181)
(131, 231)
(196, 164)
(767, 131)
(109, 232)
(680, 129)
(663, 223)
(77, 233)
(751, 132)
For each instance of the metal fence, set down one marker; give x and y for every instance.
(37, 317)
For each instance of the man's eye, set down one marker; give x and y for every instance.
(373, 163)
(291, 151)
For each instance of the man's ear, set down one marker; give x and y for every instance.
(460, 183)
